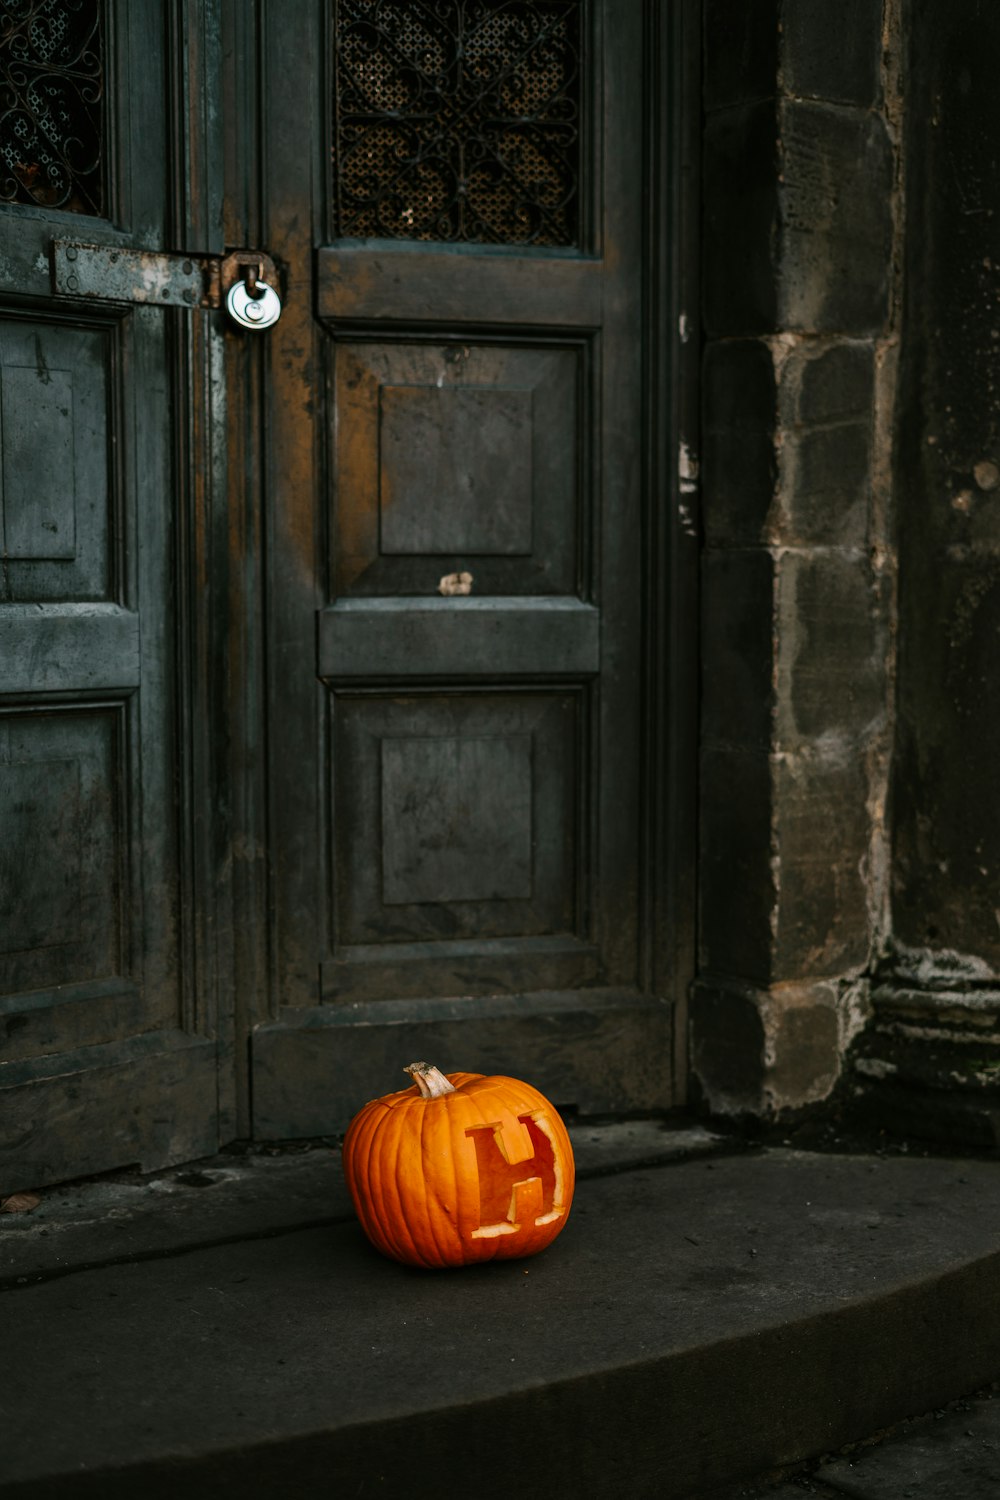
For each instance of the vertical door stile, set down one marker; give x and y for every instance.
(196, 226)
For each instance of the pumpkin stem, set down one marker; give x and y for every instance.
(429, 1080)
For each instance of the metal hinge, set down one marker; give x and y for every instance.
(108, 273)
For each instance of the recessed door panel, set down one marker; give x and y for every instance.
(457, 457)
(458, 820)
(56, 495)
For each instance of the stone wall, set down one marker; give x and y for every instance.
(801, 184)
(931, 1059)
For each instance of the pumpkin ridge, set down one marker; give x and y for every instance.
(390, 1202)
(376, 1151)
(428, 1206)
(453, 1164)
(407, 1178)
(359, 1164)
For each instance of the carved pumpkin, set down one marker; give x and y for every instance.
(459, 1169)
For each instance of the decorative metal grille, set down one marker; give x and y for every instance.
(51, 90)
(458, 120)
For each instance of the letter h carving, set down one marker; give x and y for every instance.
(518, 1185)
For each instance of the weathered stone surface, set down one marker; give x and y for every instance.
(826, 383)
(787, 458)
(804, 1042)
(738, 645)
(736, 875)
(701, 1321)
(797, 273)
(798, 228)
(835, 230)
(739, 420)
(727, 1047)
(826, 397)
(939, 1458)
(740, 205)
(266, 1191)
(831, 673)
(832, 52)
(741, 51)
(821, 843)
(761, 1051)
(947, 867)
(932, 1075)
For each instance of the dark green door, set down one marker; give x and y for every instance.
(106, 1051)
(454, 400)
(332, 656)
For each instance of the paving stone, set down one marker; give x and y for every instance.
(954, 1458)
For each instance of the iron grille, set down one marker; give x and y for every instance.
(51, 95)
(458, 120)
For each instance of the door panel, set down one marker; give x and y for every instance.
(452, 451)
(100, 1062)
(457, 818)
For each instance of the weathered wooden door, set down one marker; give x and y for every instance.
(334, 658)
(454, 470)
(106, 1050)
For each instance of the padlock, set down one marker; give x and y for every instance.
(253, 311)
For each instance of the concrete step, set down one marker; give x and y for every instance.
(697, 1321)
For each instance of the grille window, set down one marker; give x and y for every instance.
(458, 120)
(51, 94)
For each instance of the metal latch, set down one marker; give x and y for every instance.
(108, 273)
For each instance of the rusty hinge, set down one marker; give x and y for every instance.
(109, 273)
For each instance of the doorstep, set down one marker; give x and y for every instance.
(708, 1313)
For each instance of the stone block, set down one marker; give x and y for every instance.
(741, 51)
(760, 1051)
(727, 1048)
(797, 219)
(741, 216)
(803, 1047)
(834, 219)
(832, 52)
(736, 602)
(831, 674)
(825, 484)
(827, 384)
(821, 833)
(739, 468)
(736, 885)
(946, 820)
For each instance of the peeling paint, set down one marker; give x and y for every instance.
(687, 475)
(455, 583)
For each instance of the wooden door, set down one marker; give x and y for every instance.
(281, 807)
(105, 1056)
(459, 795)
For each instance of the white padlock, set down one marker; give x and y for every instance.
(260, 311)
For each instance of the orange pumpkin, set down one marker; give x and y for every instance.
(459, 1169)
